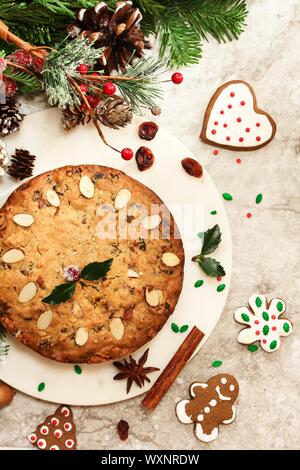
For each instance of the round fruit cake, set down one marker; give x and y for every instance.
(91, 264)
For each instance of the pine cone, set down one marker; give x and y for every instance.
(118, 32)
(73, 116)
(10, 118)
(22, 164)
(114, 112)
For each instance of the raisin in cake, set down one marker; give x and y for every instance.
(59, 219)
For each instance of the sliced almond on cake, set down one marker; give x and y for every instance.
(132, 273)
(45, 320)
(150, 222)
(81, 336)
(117, 329)
(53, 198)
(76, 310)
(154, 297)
(15, 255)
(87, 187)
(122, 199)
(24, 220)
(28, 292)
(170, 260)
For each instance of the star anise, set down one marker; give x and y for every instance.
(134, 371)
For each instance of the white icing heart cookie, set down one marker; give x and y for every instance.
(233, 120)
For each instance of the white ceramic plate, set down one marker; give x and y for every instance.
(42, 134)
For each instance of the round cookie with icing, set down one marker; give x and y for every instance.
(264, 322)
(233, 120)
(211, 404)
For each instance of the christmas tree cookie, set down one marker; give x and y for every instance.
(57, 432)
(263, 322)
(233, 120)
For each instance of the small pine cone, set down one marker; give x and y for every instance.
(114, 112)
(10, 118)
(22, 165)
(73, 116)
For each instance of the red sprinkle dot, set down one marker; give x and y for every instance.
(258, 124)
(216, 123)
(264, 341)
(241, 139)
(274, 328)
(232, 94)
(239, 119)
(249, 215)
(238, 160)
(247, 129)
(258, 139)
(214, 131)
(219, 278)
(229, 106)
(225, 125)
(243, 103)
(256, 322)
(222, 112)
(257, 333)
(228, 138)
(216, 152)
(273, 317)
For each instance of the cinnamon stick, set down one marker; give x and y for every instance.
(172, 370)
(7, 36)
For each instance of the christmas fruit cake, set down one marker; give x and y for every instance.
(91, 264)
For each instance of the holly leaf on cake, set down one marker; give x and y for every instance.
(211, 240)
(96, 271)
(61, 294)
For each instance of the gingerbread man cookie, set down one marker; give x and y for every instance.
(263, 322)
(233, 120)
(57, 432)
(211, 404)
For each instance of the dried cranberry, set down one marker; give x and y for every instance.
(128, 314)
(123, 428)
(192, 167)
(144, 158)
(148, 130)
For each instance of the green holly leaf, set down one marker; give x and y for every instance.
(61, 294)
(96, 271)
(211, 240)
(211, 267)
(184, 328)
(175, 328)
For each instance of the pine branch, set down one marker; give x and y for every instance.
(152, 7)
(27, 83)
(143, 87)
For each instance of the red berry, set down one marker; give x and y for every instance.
(127, 154)
(177, 78)
(84, 88)
(82, 68)
(93, 100)
(94, 74)
(109, 88)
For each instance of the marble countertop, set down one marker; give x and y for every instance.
(266, 255)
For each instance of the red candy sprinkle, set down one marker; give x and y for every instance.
(258, 124)
(273, 317)
(264, 341)
(241, 139)
(214, 131)
(232, 94)
(225, 125)
(247, 129)
(256, 322)
(219, 278)
(257, 333)
(249, 215)
(216, 152)
(228, 138)
(243, 103)
(222, 112)
(216, 123)
(229, 106)
(274, 328)
(258, 139)
(239, 119)
(238, 160)
(127, 154)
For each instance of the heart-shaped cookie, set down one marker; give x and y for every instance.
(233, 121)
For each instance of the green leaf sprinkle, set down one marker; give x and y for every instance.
(211, 240)
(245, 317)
(221, 287)
(61, 294)
(41, 387)
(286, 327)
(217, 364)
(279, 306)
(175, 328)
(227, 197)
(259, 198)
(265, 316)
(96, 271)
(258, 302)
(252, 348)
(211, 267)
(199, 283)
(273, 344)
(266, 330)
(184, 328)
(77, 370)
(213, 213)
